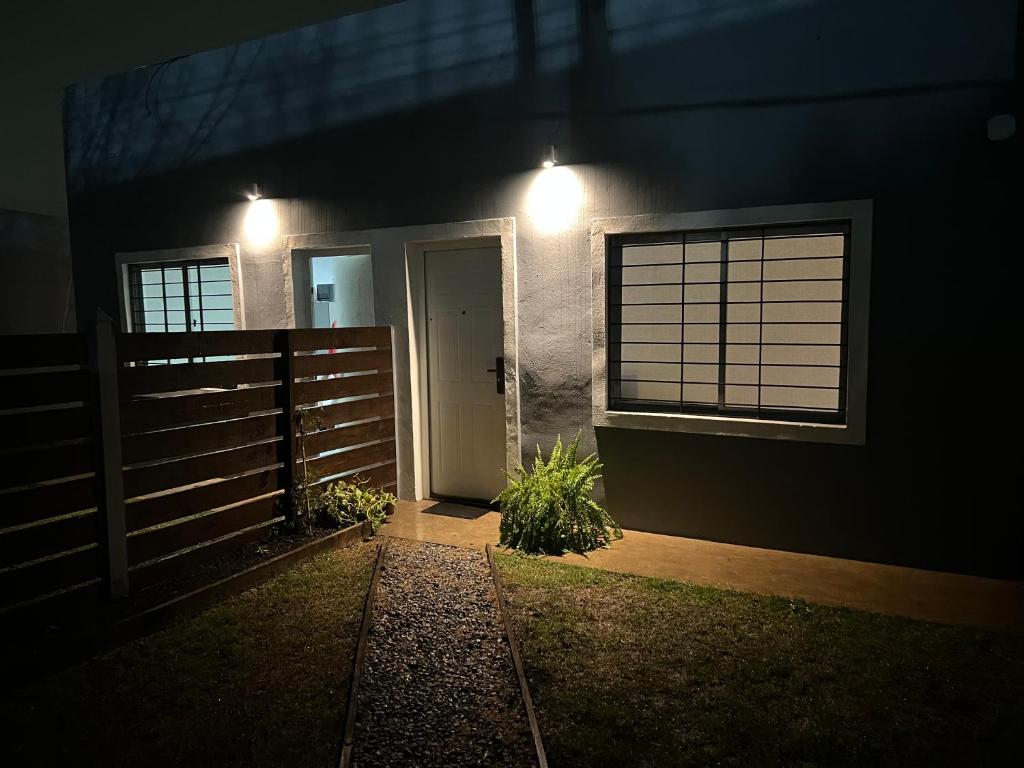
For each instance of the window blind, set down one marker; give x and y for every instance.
(747, 322)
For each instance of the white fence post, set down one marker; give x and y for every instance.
(103, 359)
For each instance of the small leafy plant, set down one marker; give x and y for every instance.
(342, 503)
(549, 509)
(337, 504)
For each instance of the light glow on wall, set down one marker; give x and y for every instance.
(261, 222)
(554, 200)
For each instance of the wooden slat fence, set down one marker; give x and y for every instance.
(345, 437)
(210, 444)
(201, 446)
(49, 531)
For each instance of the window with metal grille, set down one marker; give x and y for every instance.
(181, 296)
(747, 322)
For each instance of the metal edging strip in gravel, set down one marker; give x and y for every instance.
(517, 660)
(357, 665)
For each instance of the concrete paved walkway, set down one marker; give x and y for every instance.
(920, 594)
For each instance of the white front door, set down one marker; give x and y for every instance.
(464, 347)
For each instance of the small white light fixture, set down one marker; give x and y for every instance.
(555, 200)
(261, 223)
(254, 193)
(550, 157)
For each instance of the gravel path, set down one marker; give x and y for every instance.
(438, 688)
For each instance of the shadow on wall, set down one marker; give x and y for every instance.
(417, 53)
(35, 274)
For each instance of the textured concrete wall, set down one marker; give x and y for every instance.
(771, 104)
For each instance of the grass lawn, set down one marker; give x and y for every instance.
(638, 671)
(258, 680)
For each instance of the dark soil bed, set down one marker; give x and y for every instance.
(40, 643)
(233, 561)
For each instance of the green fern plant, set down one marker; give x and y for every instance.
(549, 508)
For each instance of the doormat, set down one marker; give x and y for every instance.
(463, 511)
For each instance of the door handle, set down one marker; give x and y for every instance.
(499, 374)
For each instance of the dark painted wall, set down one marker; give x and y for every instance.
(658, 107)
(35, 274)
(45, 45)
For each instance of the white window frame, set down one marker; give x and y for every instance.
(853, 431)
(229, 251)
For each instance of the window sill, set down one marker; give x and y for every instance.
(730, 426)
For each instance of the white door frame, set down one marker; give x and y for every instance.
(399, 299)
(416, 264)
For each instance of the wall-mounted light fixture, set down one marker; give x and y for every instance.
(550, 157)
(555, 200)
(260, 218)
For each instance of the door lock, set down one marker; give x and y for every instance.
(499, 374)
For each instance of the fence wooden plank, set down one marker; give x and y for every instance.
(40, 350)
(342, 362)
(162, 346)
(357, 410)
(162, 541)
(345, 437)
(109, 463)
(139, 481)
(307, 339)
(336, 463)
(167, 443)
(46, 463)
(384, 476)
(53, 425)
(349, 386)
(19, 584)
(289, 423)
(154, 510)
(141, 379)
(163, 412)
(25, 544)
(146, 576)
(45, 501)
(47, 388)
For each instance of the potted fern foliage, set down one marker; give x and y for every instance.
(549, 508)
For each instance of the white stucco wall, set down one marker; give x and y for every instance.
(543, 230)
